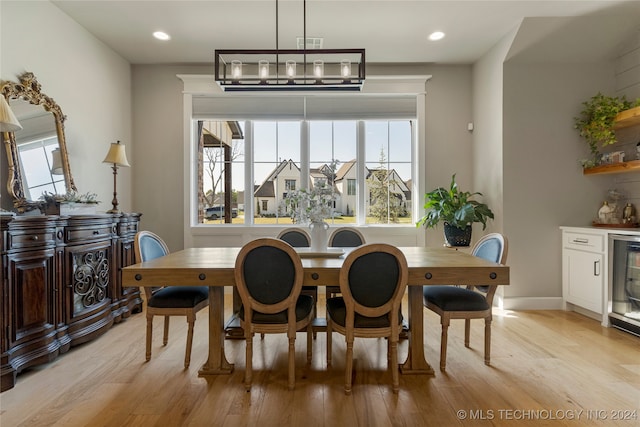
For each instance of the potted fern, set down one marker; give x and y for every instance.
(457, 210)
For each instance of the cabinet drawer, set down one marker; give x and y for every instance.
(584, 241)
(83, 234)
(27, 240)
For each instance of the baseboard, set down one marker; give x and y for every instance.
(530, 303)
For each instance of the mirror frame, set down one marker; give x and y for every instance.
(29, 89)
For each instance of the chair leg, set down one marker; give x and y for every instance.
(487, 341)
(292, 362)
(393, 364)
(443, 343)
(149, 336)
(329, 340)
(191, 320)
(165, 338)
(349, 367)
(467, 331)
(248, 361)
(310, 335)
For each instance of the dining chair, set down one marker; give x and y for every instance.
(468, 302)
(296, 237)
(346, 237)
(168, 301)
(343, 237)
(268, 276)
(373, 279)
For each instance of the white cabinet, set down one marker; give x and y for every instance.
(584, 271)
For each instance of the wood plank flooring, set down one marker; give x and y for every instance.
(549, 368)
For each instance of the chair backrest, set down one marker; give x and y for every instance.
(296, 237)
(268, 275)
(373, 279)
(493, 247)
(148, 246)
(346, 237)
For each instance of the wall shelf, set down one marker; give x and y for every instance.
(627, 118)
(624, 119)
(631, 166)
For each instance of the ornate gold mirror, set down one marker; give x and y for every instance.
(37, 155)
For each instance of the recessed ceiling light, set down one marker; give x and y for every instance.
(436, 35)
(161, 35)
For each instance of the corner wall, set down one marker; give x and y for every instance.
(88, 80)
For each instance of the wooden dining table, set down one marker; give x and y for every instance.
(214, 267)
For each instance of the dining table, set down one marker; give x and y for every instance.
(214, 267)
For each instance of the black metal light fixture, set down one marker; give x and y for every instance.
(290, 69)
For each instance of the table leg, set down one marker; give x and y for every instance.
(416, 363)
(217, 362)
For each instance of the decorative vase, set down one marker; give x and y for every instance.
(457, 236)
(319, 236)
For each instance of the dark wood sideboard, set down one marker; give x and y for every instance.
(61, 284)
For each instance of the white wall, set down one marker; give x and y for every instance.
(544, 187)
(542, 181)
(627, 83)
(158, 132)
(89, 81)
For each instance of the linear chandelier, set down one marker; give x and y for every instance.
(290, 69)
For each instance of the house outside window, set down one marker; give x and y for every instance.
(383, 174)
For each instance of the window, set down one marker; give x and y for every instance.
(374, 189)
(36, 160)
(351, 187)
(388, 171)
(221, 171)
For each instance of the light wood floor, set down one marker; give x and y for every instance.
(548, 368)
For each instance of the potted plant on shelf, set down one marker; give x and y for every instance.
(595, 123)
(457, 210)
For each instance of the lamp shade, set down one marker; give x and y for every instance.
(56, 167)
(116, 155)
(8, 121)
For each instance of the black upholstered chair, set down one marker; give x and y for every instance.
(169, 300)
(343, 237)
(268, 275)
(346, 237)
(296, 237)
(373, 279)
(470, 302)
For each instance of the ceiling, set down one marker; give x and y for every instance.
(391, 31)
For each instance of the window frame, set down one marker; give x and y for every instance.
(198, 87)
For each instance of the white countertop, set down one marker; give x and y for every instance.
(603, 230)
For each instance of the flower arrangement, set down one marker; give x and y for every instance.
(314, 205)
(69, 197)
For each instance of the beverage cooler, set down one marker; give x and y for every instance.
(624, 290)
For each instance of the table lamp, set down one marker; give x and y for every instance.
(8, 121)
(56, 166)
(118, 157)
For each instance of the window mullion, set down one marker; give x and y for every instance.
(305, 151)
(361, 209)
(249, 202)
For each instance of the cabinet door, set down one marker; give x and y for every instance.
(87, 290)
(31, 315)
(584, 279)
